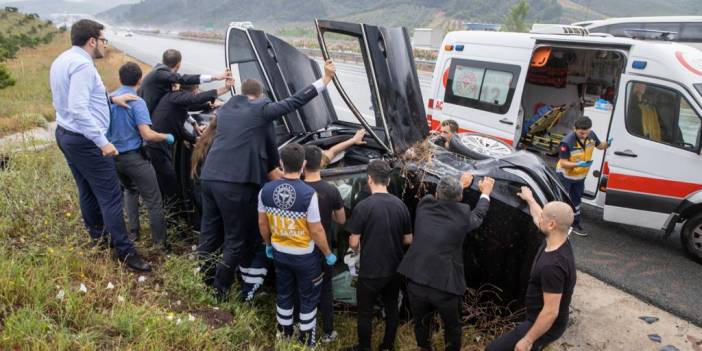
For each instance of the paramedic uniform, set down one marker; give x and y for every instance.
(290, 205)
(573, 179)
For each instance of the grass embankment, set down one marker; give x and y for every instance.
(56, 293)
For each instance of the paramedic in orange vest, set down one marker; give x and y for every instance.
(575, 159)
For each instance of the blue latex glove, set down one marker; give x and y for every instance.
(269, 251)
(331, 259)
(609, 142)
(170, 139)
(584, 163)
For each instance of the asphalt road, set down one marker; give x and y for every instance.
(633, 259)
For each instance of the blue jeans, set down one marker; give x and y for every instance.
(298, 276)
(575, 189)
(98, 188)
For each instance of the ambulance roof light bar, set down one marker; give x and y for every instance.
(559, 29)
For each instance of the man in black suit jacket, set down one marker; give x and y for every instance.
(433, 264)
(160, 80)
(236, 167)
(169, 116)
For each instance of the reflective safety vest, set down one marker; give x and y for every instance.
(573, 150)
(287, 204)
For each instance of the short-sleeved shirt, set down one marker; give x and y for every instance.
(329, 201)
(552, 272)
(382, 220)
(574, 150)
(290, 205)
(124, 131)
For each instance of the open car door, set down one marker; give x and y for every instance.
(282, 70)
(396, 97)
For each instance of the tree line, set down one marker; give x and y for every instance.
(23, 31)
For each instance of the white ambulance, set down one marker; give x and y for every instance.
(524, 90)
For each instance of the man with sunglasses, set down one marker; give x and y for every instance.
(83, 117)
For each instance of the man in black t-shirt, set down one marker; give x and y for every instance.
(380, 228)
(551, 281)
(331, 208)
(433, 264)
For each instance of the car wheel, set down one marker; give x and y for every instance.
(691, 237)
(479, 146)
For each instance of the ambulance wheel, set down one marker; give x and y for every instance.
(691, 237)
(478, 146)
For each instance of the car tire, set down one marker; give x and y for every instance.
(479, 146)
(691, 237)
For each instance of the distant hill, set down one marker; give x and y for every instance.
(47, 7)
(448, 14)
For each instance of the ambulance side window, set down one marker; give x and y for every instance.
(482, 85)
(663, 115)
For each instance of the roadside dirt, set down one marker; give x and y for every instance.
(605, 318)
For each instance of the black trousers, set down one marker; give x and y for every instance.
(424, 301)
(162, 161)
(228, 215)
(507, 341)
(367, 292)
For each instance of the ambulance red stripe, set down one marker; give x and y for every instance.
(656, 186)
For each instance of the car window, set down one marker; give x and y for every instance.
(244, 65)
(691, 32)
(620, 29)
(482, 85)
(663, 115)
(699, 88)
(663, 27)
(599, 29)
(345, 50)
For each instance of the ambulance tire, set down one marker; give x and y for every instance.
(478, 146)
(691, 237)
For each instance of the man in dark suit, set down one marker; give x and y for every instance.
(235, 169)
(169, 116)
(160, 80)
(434, 263)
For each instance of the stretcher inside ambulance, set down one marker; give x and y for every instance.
(525, 90)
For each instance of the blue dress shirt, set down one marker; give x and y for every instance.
(123, 132)
(79, 96)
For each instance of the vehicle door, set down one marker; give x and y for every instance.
(282, 70)
(654, 161)
(388, 85)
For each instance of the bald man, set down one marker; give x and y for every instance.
(551, 281)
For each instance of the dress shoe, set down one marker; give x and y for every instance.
(135, 262)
